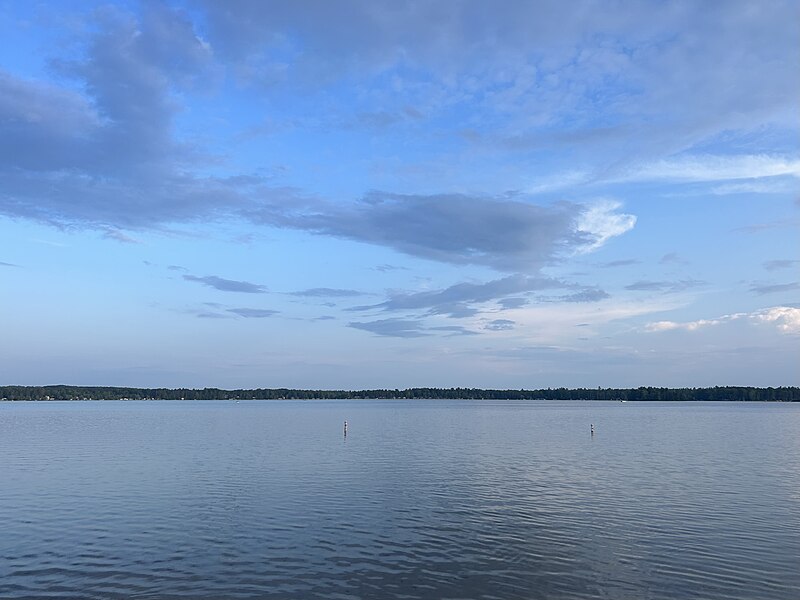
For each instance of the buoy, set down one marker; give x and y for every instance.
(345, 427)
(592, 428)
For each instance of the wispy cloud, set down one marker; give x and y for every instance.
(587, 295)
(705, 168)
(619, 263)
(386, 268)
(409, 328)
(323, 292)
(458, 300)
(774, 265)
(227, 285)
(775, 288)
(5, 264)
(252, 313)
(673, 258)
(664, 286)
(402, 328)
(500, 325)
(602, 221)
(119, 236)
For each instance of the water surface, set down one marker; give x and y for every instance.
(422, 499)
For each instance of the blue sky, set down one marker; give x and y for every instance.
(389, 194)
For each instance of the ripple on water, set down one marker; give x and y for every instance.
(422, 500)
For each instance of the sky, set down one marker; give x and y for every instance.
(388, 194)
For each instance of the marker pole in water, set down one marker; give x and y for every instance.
(591, 426)
(345, 429)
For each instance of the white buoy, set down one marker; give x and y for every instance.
(592, 428)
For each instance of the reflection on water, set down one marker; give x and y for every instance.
(418, 499)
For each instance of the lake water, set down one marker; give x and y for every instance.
(422, 499)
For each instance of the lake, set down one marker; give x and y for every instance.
(421, 499)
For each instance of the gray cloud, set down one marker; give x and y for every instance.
(774, 265)
(587, 295)
(385, 268)
(177, 268)
(5, 264)
(327, 293)
(631, 65)
(455, 300)
(500, 325)
(403, 328)
(252, 313)
(664, 286)
(512, 302)
(227, 285)
(108, 159)
(619, 263)
(409, 328)
(776, 288)
(506, 234)
(673, 258)
(119, 236)
(454, 330)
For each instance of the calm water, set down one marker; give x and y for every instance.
(422, 499)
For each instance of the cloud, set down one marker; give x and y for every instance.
(774, 265)
(503, 233)
(779, 185)
(402, 328)
(785, 318)
(602, 223)
(177, 268)
(252, 313)
(702, 168)
(408, 328)
(587, 295)
(664, 286)
(509, 303)
(327, 293)
(673, 258)
(385, 268)
(687, 326)
(619, 263)
(769, 226)
(454, 330)
(227, 285)
(107, 157)
(500, 325)
(774, 289)
(5, 264)
(456, 300)
(116, 235)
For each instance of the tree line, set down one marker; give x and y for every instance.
(723, 393)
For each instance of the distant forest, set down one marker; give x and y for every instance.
(737, 394)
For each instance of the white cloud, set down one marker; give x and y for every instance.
(705, 167)
(785, 318)
(765, 186)
(601, 223)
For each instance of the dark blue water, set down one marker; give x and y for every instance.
(422, 499)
